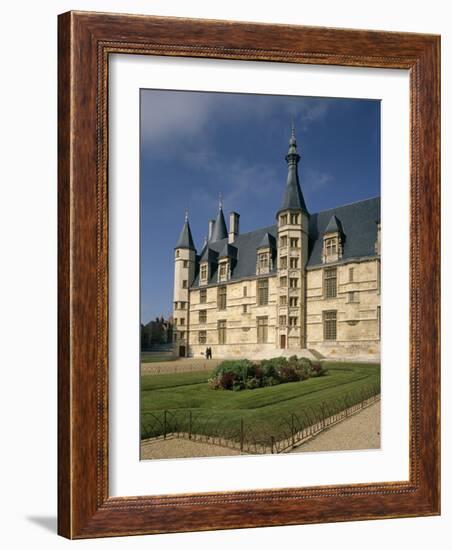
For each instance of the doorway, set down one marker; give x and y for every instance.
(282, 341)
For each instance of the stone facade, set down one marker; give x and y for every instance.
(310, 284)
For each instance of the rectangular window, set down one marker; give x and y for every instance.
(223, 271)
(263, 260)
(182, 305)
(221, 297)
(293, 263)
(202, 337)
(353, 297)
(203, 272)
(182, 321)
(203, 315)
(283, 240)
(330, 282)
(175, 305)
(282, 320)
(293, 321)
(262, 329)
(283, 281)
(222, 332)
(182, 335)
(283, 219)
(245, 308)
(203, 296)
(293, 302)
(293, 282)
(294, 243)
(330, 246)
(351, 275)
(329, 325)
(245, 291)
(294, 219)
(262, 292)
(185, 263)
(184, 283)
(283, 262)
(283, 300)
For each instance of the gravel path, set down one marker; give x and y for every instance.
(360, 431)
(181, 448)
(180, 365)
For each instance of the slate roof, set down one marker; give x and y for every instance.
(358, 223)
(359, 226)
(185, 238)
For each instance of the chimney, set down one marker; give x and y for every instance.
(211, 224)
(233, 226)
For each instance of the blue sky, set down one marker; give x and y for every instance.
(196, 145)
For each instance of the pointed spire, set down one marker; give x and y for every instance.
(219, 230)
(293, 197)
(185, 238)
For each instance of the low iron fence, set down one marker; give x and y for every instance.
(253, 436)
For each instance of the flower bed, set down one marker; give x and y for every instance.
(243, 374)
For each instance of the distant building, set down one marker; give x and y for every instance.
(156, 333)
(311, 281)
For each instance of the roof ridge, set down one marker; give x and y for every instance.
(344, 205)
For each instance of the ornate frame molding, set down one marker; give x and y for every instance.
(85, 42)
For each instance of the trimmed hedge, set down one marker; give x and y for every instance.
(243, 374)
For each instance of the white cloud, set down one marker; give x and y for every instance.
(168, 116)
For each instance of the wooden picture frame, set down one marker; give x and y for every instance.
(86, 40)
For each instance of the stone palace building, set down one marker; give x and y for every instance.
(310, 284)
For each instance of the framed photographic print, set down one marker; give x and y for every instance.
(248, 275)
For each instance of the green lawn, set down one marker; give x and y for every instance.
(191, 405)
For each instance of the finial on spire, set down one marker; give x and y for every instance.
(293, 139)
(186, 214)
(220, 201)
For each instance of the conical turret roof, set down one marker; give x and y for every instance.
(185, 238)
(219, 229)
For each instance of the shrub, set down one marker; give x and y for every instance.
(253, 383)
(288, 373)
(271, 381)
(243, 374)
(318, 369)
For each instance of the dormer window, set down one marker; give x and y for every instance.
(331, 246)
(223, 270)
(332, 241)
(263, 260)
(203, 274)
